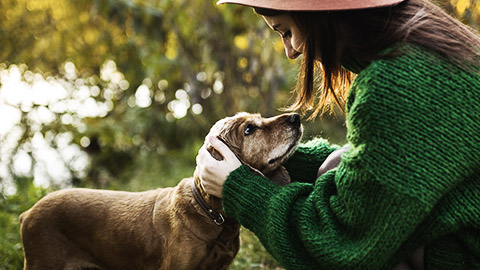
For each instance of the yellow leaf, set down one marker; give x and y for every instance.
(462, 5)
(241, 42)
(172, 43)
(278, 45)
(242, 62)
(477, 8)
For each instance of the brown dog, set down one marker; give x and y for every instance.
(168, 228)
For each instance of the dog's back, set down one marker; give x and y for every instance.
(67, 229)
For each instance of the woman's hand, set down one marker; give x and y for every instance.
(212, 172)
(332, 161)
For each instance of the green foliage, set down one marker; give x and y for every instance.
(11, 256)
(162, 170)
(192, 67)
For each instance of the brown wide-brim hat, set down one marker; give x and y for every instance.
(313, 5)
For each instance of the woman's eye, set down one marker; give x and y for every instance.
(287, 34)
(249, 129)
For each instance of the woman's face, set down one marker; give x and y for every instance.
(290, 33)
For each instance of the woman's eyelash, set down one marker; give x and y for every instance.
(286, 34)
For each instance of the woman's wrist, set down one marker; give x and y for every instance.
(244, 194)
(304, 163)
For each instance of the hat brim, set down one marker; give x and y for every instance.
(312, 5)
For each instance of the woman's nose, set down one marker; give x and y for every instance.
(289, 50)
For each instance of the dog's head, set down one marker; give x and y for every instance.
(261, 143)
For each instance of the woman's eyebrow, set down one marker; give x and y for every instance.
(275, 27)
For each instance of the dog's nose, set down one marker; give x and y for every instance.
(294, 119)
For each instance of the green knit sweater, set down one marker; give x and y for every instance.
(410, 179)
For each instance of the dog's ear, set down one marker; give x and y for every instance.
(215, 154)
(231, 134)
(280, 176)
(254, 170)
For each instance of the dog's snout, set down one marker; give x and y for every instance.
(294, 119)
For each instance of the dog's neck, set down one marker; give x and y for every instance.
(227, 229)
(212, 201)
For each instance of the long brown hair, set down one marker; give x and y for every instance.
(362, 35)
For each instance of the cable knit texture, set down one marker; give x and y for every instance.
(410, 179)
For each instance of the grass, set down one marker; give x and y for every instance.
(252, 255)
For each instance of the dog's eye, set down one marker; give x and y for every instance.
(249, 129)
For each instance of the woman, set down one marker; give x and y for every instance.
(411, 176)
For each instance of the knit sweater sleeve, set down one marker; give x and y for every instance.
(374, 209)
(304, 163)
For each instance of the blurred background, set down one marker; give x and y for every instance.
(119, 94)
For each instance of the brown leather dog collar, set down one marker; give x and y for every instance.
(216, 216)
